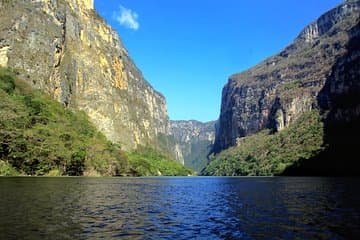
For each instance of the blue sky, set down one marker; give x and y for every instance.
(187, 49)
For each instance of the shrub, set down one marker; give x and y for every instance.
(7, 170)
(7, 82)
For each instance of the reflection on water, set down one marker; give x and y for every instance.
(179, 208)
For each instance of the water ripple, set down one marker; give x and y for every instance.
(179, 208)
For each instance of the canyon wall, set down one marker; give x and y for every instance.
(63, 47)
(276, 92)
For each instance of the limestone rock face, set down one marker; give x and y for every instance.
(194, 141)
(186, 131)
(66, 49)
(274, 93)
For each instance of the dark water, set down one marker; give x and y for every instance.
(179, 208)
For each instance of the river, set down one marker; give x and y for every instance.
(179, 208)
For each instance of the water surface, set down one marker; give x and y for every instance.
(179, 208)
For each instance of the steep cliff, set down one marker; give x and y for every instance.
(276, 92)
(194, 141)
(64, 48)
(339, 102)
(298, 112)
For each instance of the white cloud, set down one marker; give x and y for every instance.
(127, 18)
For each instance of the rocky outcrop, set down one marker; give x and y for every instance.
(194, 141)
(325, 22)
(339, 103)
(276, 92)
(66, 49)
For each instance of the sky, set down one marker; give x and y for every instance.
(187, 49)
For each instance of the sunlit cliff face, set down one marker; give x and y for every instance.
(66, 49)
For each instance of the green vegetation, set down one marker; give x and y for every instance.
(292, 85)
(7, 170)
(148, 162)
(164, 144)
(265, 154)
(38, 136)
(197, 158)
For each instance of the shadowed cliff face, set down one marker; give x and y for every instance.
(276, 92)
(194, 141)
(339, 101)
(64, 48)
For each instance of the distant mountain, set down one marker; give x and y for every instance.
(194, 141)
(317, 75)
